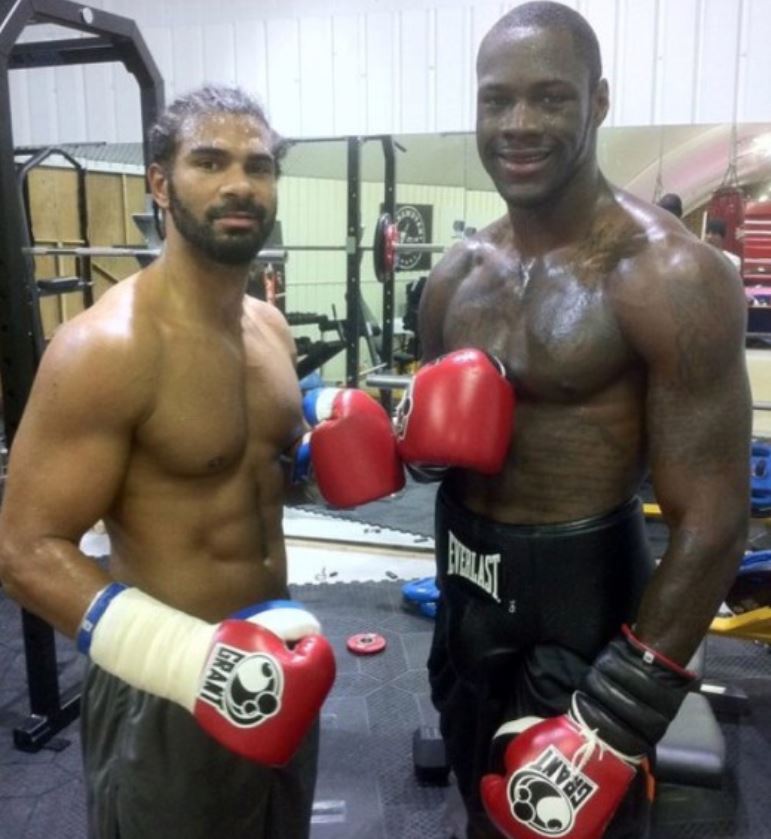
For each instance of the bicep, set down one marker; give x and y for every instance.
(69, 455)
(698, 407)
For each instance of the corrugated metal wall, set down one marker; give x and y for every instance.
(400, 66)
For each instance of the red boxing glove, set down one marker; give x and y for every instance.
(353, 447)
(257, 696)
(247, 683)
(560, 779)
(458, 411)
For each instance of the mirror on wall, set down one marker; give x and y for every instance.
(444, 194)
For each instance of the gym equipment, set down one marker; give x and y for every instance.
(760, 464)
(748, 601)
(50, 250)
(756, 244)
(117, 40)
(386, 246)
(429, 757)
(421, 591)
(60, 285)
(421, 596)
(366, 643)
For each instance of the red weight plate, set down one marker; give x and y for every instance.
(366, 643)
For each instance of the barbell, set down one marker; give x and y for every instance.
(385, 247)
(270, 255)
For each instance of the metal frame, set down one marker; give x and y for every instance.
(114, 39)
(353, 276)
(82, 261)
(389, 207)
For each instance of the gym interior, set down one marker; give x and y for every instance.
(382, 176)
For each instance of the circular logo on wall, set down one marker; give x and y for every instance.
(412, 230)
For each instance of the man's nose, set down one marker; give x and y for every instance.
(237, 182)
(522, 117)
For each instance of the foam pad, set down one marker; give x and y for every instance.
(421, 591)
(693, 749)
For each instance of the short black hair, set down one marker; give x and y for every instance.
(716, 225)
(672, 202)
(548, 15)
(164, 136)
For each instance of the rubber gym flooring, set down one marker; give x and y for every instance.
(367, 787)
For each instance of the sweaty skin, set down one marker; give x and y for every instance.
(622, 333)
(163, 410)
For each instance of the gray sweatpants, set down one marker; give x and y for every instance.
(151, 772)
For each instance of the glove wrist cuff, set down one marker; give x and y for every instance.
(631, 694)
(651, 656)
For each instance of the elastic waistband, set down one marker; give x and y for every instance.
(628, 509)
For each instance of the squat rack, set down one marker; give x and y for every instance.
(112, 39)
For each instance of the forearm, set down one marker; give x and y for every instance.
(53, 579)
(688, 587)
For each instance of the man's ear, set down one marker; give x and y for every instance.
(601, 102)
(158, 181)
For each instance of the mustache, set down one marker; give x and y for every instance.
(242, 207)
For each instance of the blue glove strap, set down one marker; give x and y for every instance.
(302, 465)
(94, 612)
(310, 401)
(249, 611)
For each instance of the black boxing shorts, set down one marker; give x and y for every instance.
(150, 771)
(523, 612)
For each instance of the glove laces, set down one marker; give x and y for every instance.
(592, 742)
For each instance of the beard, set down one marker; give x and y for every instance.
(238, 247)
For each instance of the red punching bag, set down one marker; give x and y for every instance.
(727, 203)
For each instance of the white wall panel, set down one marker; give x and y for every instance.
(219, 53)
(252, 58)
(188, 66)
(677, 60)
(603, 16)
(43, 125)
(160, 42)
(635, 75)
(348, 77)
(417, 69)
(100, 96)
(371, 66)
(381, 74)
(317, 105)
(453, 67)
(128, 115)
(70, 104)
(718, 61)
(481, 17)
(18, 83)
(755, 92)
(283, 94)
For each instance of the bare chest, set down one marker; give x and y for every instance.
(556, 331)
(221, 407)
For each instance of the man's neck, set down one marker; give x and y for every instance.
(539, 229)
(200, 288)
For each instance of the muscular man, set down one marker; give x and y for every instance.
(622, 336)
(164, 410)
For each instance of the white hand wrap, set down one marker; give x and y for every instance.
(147, 644)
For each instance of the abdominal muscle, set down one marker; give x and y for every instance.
(565, 463)
(208, 546)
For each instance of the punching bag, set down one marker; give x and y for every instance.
(727, 203)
